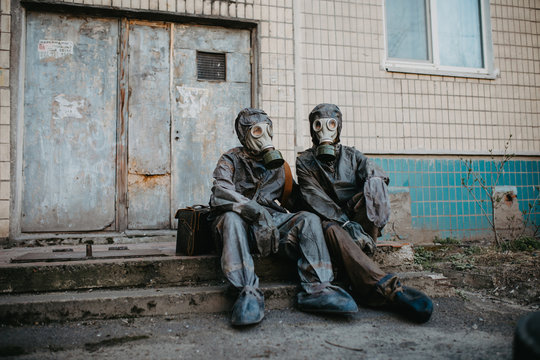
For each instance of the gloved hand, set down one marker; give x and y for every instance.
(359, 236)
(265, 231)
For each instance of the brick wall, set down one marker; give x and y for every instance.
(343, 48)
(5, 37)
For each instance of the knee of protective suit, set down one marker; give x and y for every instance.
(308, 218)
(228, 223)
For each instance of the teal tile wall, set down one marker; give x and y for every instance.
(439, 201)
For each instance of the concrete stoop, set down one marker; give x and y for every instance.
(126, 303)
(152, 286)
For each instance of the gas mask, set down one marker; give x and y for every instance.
(326, 132)
(259, 141)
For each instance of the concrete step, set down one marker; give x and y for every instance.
(166, 270)
(127, 303)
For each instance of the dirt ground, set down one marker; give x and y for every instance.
(510, 275)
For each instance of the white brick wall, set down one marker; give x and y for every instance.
(392, 112)
(5, 37)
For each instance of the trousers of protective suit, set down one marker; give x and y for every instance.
(300, 239)
(369, 284)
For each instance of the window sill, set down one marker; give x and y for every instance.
(440, 71)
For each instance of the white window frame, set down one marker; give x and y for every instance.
(433, 66)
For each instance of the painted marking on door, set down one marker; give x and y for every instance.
(67, 108)
(192, 100)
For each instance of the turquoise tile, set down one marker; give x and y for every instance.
(433, 194)
(433, 208)
(444, 193)
(446, 208)
(459, 208)
(444, 222)
(418, 165)
(438, 179)
(416, 179)
(453, 222)
(440, 208)
(452, 207)
(482, 166)
(535, 166)
(451, 165)
(444, 166)
(438, 165)
(459, 194)
(425, 166)
(512, 166)
(523, 166)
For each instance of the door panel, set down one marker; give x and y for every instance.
(204, 111)
(148, 127)
(69, 124)
(177, 125)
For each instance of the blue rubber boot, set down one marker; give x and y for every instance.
(332, 300)
(248, 308)
(413, 304)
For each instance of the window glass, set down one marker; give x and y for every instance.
(406, 29)
(459, 30)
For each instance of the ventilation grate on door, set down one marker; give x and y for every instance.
(211, 66)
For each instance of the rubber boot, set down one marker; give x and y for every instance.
(248, 308)
(333, 300)
(413, 304)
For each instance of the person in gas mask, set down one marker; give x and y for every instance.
(350, 194)
(248, 218)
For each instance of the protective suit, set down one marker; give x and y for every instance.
(249, 219)
(349, 193)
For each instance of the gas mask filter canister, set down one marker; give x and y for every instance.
(259, 141)
(326, 130)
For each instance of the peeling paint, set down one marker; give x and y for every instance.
(192, 100)
(66, 108)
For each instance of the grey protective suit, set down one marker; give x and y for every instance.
(344, 193)
(248, 220)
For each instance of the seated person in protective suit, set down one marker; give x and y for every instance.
(247, 219)
(350, 194)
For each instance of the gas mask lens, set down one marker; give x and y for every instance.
(259, 141)
(258, 130)
(326, 130)
(331, 124)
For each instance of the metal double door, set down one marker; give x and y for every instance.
(120, 126)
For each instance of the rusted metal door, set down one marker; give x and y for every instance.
(206, 102)
(69, 156)
(98, 158)
(170, 164)
(149, 122)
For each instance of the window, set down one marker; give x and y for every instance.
(439, 37)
